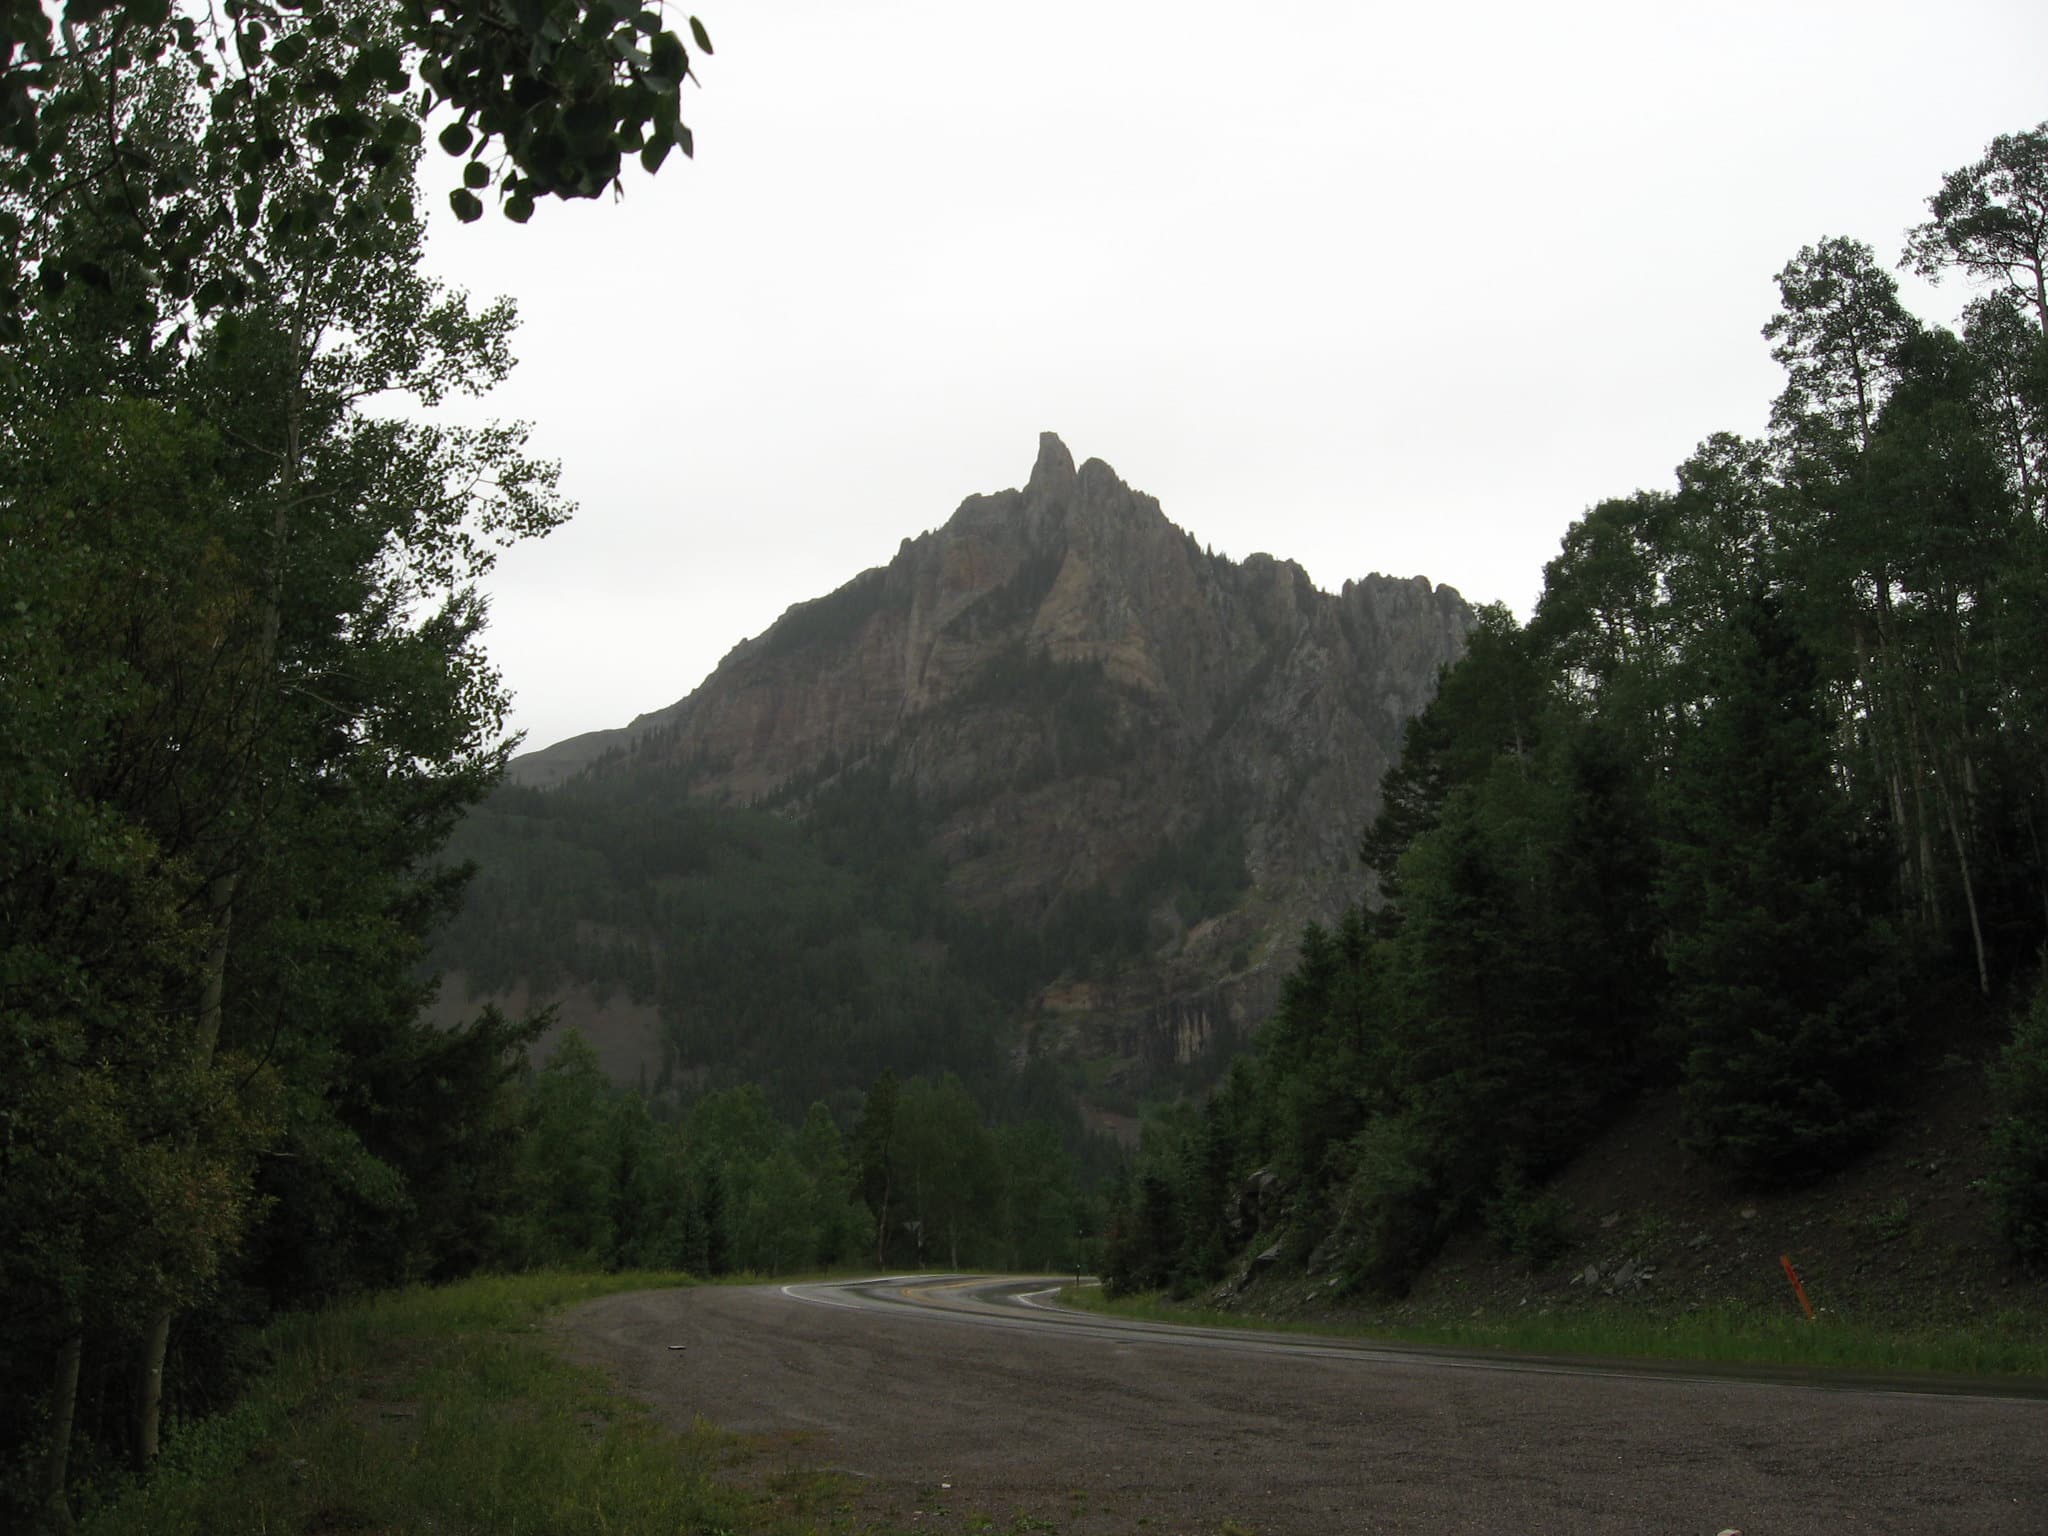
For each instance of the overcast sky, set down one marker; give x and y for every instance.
(1373, 288)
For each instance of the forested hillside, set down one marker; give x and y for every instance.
(1043, 801)
(805, 954)
(1751, 811)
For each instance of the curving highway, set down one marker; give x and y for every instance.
(1030, 1301)
(958, 1402)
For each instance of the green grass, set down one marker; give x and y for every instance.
(2011, 1344)
(441, 1410)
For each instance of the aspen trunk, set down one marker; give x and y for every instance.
(2034, 830)
(220, 906)
(63, 1413)
(1884, 764)
(1925, 756)
(149, 1389)
(1969, 892)
(149, 1386)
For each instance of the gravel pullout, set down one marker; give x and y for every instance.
(1098, 1431)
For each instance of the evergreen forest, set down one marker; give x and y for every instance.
(1753, 809)
(806, 944)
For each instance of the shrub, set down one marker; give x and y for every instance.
(1526, 1225)
(2019, 1135)
(1393, 1215)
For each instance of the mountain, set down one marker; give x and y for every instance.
(1140, 767)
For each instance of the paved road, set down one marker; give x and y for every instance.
(949, 1399)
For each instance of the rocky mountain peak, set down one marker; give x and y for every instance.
(1052, 477)
(1082, 701)
(1075, 569)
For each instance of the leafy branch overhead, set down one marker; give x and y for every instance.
(308, 101)
(565, 90)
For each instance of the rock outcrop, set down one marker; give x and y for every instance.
(1071, 683)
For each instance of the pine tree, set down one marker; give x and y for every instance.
(1783, 998)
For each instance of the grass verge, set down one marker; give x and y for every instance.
(2010, 1344)
(442, 1410)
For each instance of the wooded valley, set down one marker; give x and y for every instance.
(1751, 808)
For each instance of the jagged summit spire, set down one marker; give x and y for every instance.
(1053, 474)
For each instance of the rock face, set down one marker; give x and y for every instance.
(1071, 684)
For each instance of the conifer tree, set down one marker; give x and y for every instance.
(1783, 990)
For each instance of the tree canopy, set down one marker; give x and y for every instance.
(241, 663)
(300, 105)
(1750, 803)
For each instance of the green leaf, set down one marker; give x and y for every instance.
(476, 175)
(652, 156)
(588, 120)
(703, 38)
(467, 207)
(383, 62)
(665, 59)
(455, 138)
(518, 207)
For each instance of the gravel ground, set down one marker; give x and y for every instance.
(944, 1422)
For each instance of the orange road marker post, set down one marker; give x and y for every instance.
(1798, 1289)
